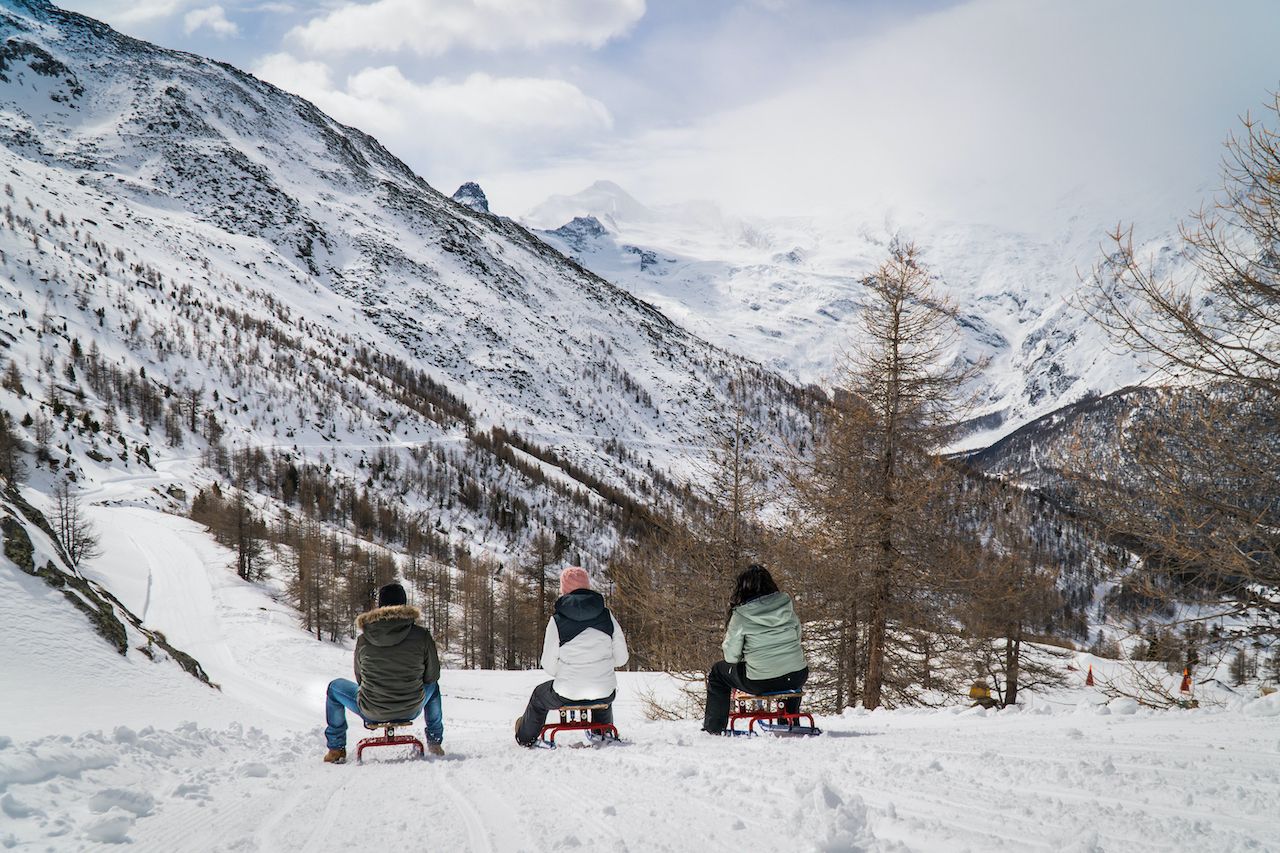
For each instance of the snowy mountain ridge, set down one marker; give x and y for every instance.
(282, 281)
(789, 290)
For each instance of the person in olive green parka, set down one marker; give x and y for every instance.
(397, 672)
(762, 652)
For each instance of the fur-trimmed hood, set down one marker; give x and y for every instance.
(387, 626)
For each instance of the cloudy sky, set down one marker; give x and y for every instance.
(1017, 112)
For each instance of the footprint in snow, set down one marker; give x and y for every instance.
(15, 808)
(140, 803)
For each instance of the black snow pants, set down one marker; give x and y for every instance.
(724, 677)
(544, 700)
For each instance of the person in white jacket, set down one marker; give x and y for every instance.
(582, 647)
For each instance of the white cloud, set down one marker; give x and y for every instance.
(1017, 112)
(311, 80)
(450, 129)
(213, 18)
(432, 27)
(125, 13)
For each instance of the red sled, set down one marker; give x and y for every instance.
(577, 718)
(769, 710)
(389, 738)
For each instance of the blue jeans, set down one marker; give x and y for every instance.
(341, 697)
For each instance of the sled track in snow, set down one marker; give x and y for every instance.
(477, 836)
(316, 841)
(266, 838)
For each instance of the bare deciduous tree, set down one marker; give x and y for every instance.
(1202, 512)
(74, 530)
(12, 465)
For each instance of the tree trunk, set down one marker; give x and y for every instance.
(1012, 662)
(873, 681)
(842, 655)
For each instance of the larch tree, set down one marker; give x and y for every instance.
(246, 529)
(1006, 593)
(543, 552)
(735, 488)
(873, 494)
(13, 466)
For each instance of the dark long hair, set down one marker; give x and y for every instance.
(753, 583)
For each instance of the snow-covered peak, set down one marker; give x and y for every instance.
(581, 231)
(603, 200)
(470, 195)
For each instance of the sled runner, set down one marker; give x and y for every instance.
(768, 712)
(577, 718)
(388, 738)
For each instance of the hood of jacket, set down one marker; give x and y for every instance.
(768, 611)
(581, 605)
(387, 626)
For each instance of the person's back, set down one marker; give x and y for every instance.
(764, 633)
(395, 657)
(582, 646)
(397, 672)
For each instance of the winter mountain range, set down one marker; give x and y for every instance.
(789, 291)
(220, 235)
(195, 264)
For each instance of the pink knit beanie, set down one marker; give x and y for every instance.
(574, 578)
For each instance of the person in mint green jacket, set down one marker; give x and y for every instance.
(761, 647)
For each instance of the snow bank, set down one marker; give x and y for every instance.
(133, 786)
(1267, 706)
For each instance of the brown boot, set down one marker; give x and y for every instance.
(335, 756)
(435, 748)
(520, 720)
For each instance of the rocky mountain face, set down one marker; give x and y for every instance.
(470, 195)
(195, 264)
(1083, 435)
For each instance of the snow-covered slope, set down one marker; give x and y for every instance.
(277, 280)
(789, 291)
(66, 632)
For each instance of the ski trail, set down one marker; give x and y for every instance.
(264, 836)
(316, 841)
(477, 835)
